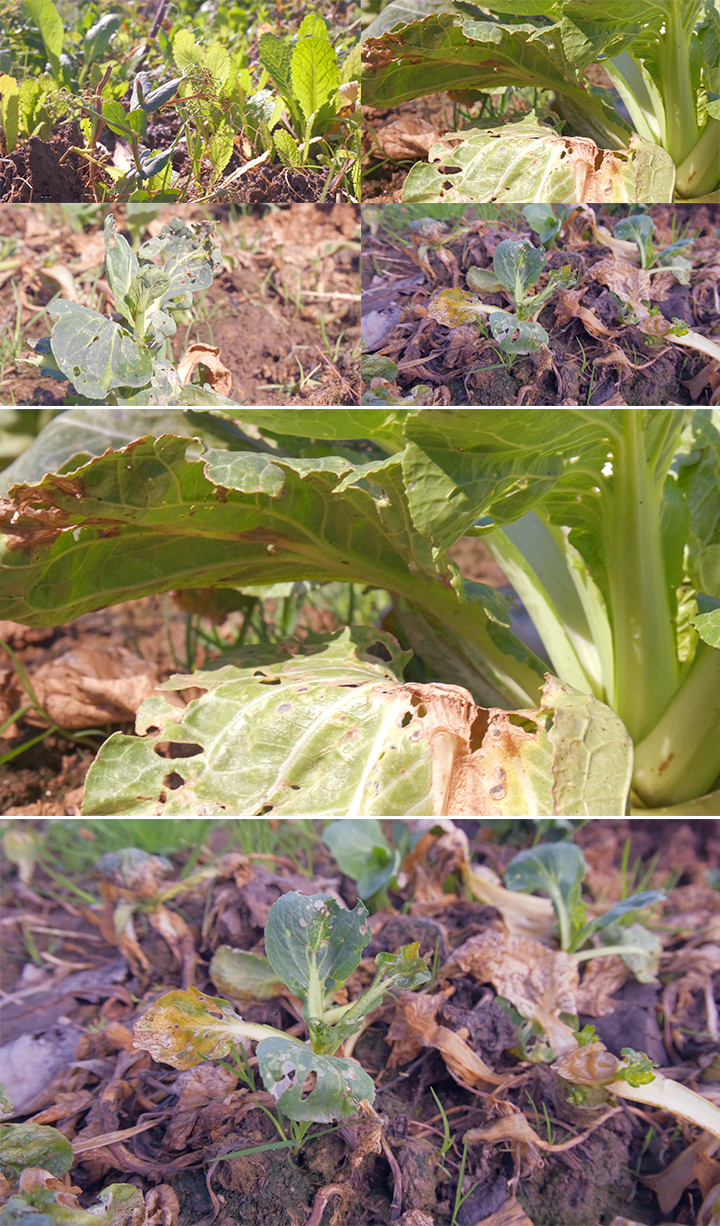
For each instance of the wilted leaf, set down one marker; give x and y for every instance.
(541, 983)
(455, 307)
(525, 160)
(207, 357)
(340, 1087)
(186, 1027)
(415, 1019)
(136, 870)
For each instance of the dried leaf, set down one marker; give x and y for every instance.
(415, 1019)
(407, 137)
(601, 979)
(541, 983)
(207, 356)
(88, 686)
(569, 306)
(196, 1087)
(631, 284)
(670, 1184)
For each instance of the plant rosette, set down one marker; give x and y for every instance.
(116, 359)
(313, 945)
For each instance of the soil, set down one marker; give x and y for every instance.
(44, 170)
(594, 359)
(283, 273)
(208, 1147)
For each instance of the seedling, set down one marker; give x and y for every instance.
(558, 869)
(640, 228)
(313, 946)
(116, 359)
(517, 266)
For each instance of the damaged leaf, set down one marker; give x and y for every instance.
(243, 975)
(340, 1087)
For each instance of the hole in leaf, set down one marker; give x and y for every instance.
(266, 809)
(528, 725)
(406, 719)
(270, 681)
(163, 797)
(478, 729)
(173, 781)
(170, 749)
(309, 1085)
(379, 650)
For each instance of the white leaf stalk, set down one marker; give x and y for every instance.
(674, 1097)
(679, 333)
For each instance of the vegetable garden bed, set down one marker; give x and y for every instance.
(142, 1062)
(272, 314)
(195, 102)
(432, 697)
(548, 305)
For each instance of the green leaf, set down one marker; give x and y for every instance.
(75, 435)
(95, 353)
(363, 853)
(377, 366)
(99, 36)
(314, 945)
(190, 258)
(708, 627)
(314, 74)
(543, 219)
(10, 110)
(6, 1103)
(517, 266)
(404, 970)
(244, 976)
(341, 1085)
(49, 22)
(315, 25)
(516, 335)
(221, 146)
(23, 1145)
(184, 1028)
(121, 265)
(558, 869)
(644, 950)
(639, 228)
(623, 909)
(276, 56)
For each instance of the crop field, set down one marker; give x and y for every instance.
(556, 305)
(179, 102)
(162, 304)
(541, 100)
(356, 1023)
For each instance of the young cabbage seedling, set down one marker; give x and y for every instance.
(313, 945)
(517, 266)
(558, 869)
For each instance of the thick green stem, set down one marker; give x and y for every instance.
(679, 759)
(699, 173)
(678, 90)
(646, 669)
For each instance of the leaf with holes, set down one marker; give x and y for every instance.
(340, 1085)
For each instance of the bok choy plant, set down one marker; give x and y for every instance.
(661, 56)
(313, 945)
(606, 522)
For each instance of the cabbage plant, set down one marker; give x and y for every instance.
(661, 56)
(117, 359)
(606, 522)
